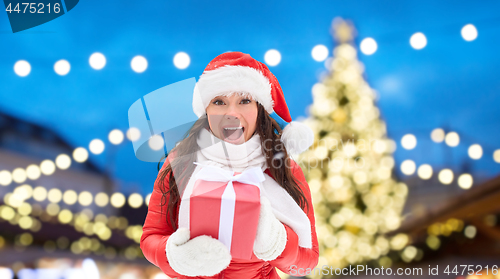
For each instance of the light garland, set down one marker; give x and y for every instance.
(445, 176)
(102, 225)
(272, 57)
(81, 223)
(63, 161)
(70, 197)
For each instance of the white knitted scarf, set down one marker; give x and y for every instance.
(215, 152)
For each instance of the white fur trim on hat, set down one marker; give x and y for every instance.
(297, 137)
(200, 256)
(229, 79)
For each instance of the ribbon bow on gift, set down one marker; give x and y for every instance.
(250, 176)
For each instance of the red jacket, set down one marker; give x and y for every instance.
(294, 260)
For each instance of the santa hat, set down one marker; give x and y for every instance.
(239, 72)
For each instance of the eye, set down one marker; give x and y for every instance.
(218, 102)
(246, 101)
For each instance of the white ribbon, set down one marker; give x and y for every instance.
(251, 176)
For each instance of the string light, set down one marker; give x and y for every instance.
(133, 134)
(63, 161)
(52, 209)
(319, 53)
(24, 191)
(139, 64)
(272, 57)
(5, 178)
(452, 139)
(85, 198)
(24, 209)
(409, 253)
(418, 41)
(433, 242)
(156, 142)
(101, 199)
(117, 200)
(181, 60)
(408, 167)
(97, 61)
(39, 193)
(469, 32)
(80, 154)
(33, 172)
(115, 136)
(445, 176)
(22, 68)
(70, 197)
(62, 67)
(470, 231)
(96, 146)
(368, 46)
(135, 200)
(465, 181)
(19, 175)
(496, 158)
(424, 171)
(437, 135)
(47, 167)
(54, 195)
(65, 216)
(409, 141)
(475, 151)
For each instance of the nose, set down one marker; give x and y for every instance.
(232, 112)
(230, 117)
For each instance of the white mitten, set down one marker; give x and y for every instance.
(200, 256)
(270, 240)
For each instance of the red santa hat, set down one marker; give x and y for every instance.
(239, 72)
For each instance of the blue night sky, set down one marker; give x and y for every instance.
(451, 83)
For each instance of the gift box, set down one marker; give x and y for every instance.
(226, 206)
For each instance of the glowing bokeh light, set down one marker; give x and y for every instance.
(272, 57)
(418, 41)
(368, 46)
(319, 53)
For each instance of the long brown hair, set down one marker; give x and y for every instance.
(185, 154)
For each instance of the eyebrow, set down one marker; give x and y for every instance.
(240, 95)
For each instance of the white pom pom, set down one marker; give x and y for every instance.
(297, 137)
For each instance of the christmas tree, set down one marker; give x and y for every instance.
(349, 168)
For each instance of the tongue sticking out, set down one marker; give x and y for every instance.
(232, 134)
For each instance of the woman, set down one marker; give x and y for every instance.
(233, 99)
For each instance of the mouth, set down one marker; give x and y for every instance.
(232, 133)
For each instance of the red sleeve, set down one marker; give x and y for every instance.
(157, 229)
(295, 258)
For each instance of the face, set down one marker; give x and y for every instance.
(232, 119)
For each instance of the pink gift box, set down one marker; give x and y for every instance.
(231, 216)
